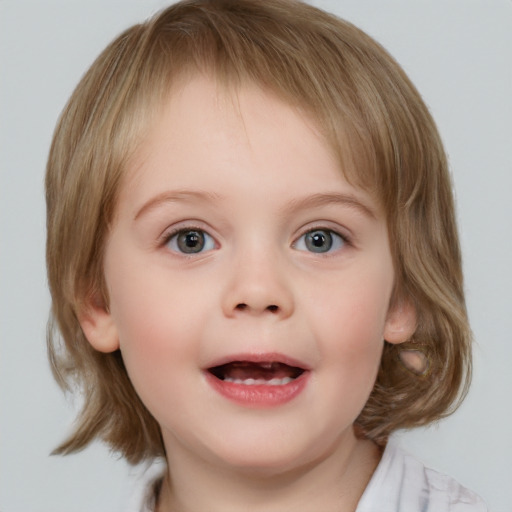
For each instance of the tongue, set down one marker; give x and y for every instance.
(244, 370)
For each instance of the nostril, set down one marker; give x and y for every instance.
(243, 307)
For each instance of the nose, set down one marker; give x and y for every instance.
(258, 285)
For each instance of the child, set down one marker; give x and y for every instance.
(254, 264)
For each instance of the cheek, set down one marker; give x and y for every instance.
(349, 319)
(150, 310)
(158, 327)
(353, 309)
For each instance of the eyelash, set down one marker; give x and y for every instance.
(168, 237)
(342, 239)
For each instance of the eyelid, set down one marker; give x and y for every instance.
(184, 226)
(336, 243)
(344, 233)
(174, 244)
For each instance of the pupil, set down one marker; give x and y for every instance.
(191, 241)
(319, 241)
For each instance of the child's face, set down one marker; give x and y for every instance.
(238, 244)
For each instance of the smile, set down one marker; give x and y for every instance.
(255, 382)
(253, 373)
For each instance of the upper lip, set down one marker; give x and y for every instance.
(259, 357)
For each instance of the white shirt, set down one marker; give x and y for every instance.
(400, 483)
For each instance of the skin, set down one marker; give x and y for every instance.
(255, 176)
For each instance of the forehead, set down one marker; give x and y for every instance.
(209, 111)
(202, 117)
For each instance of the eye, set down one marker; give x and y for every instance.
(320, 241)
(190, 241)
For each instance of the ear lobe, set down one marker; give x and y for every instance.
(400, 322)
(99, 326)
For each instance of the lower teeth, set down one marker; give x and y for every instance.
(256, 382)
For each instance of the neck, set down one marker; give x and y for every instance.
(333, 484)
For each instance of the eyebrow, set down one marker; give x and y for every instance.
(176, 196)
(317, 200)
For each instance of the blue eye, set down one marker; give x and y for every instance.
(320, 241)
(191, 241)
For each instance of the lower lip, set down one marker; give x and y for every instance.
(258, 395)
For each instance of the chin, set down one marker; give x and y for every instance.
(270, 457)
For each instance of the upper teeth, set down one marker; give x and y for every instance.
(255, 382)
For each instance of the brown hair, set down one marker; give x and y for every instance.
(374, 119)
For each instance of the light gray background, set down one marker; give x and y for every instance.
(458, 52)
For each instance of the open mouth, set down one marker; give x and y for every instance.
(268, 373)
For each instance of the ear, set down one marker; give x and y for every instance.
(98, 325)
(401, 322)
